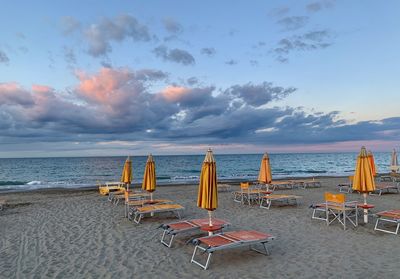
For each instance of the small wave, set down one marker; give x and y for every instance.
(35, 182)
(6, 183)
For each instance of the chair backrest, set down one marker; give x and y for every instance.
(244, 185)
(351, 177)
(335, 198)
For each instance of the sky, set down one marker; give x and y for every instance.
(102, 78)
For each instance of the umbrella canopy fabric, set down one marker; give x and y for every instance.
(264, 175)
(363, 180)
(127, 172)
(149, 176)
(372, 162)
(208, 192)
(394, 165)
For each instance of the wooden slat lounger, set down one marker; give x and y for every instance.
(385, 187)
(116, 198)
(307, 183)
(172, 229)
(233, 239)
(267, 200)
(285, 184)
(139, 212)
(388, 216)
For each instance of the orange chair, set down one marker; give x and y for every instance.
(248, 193)
(337, 207)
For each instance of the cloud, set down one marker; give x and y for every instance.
(99, 36)
(3, 57)
(208, 51)
(312, 40)
(320, 5)
(118, 105)
(69, 25)
(174, 55)
(231, 62)
(172, 26)
(69, 56)
(278, 12)
(293, 23)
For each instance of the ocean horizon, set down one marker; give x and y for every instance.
(78, 172)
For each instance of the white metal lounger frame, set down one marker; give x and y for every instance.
(246, 195)
(139, 215)
(172, 232)
(387, 188)
(269, 200)
(234, 244)
(385, 219)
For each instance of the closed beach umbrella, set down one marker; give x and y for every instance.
(372, 162)
(208, 193)
(394, 166)
(149, 176)
(126, 176)
(363, 180)
(264, 175)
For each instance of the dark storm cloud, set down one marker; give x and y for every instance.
(293, 23)
(174, 55)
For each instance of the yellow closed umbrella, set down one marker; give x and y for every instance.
(208, 192)
(363, 180)
(126, 176)
(372, 162)
(149, 176)
(264, 175)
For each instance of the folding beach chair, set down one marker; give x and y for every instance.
(346, 187)
(337, 207)
(139, 212)
(187, 226)
(388, 217)
(248, 193)
(267, 200)
(227, 240)
(387, 187)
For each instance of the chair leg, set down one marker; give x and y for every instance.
(163, 239)
(204, 266)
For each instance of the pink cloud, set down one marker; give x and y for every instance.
(174, 93)
(13, 94)
(41, 88)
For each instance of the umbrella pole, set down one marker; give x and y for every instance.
(365, 210)
(210, 221)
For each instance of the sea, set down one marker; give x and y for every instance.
(18, 174)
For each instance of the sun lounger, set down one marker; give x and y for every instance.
(306, 183)
(346, 187)
(139, 212)
(109, 187)
(280, 184)
(385, 187)
(388, 216)
(116, 198)
(233, 239)
(267, 200)
(2, 203)
(224, 187)
(186, 226)
(131, 205)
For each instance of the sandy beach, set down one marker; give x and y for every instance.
(79, 234)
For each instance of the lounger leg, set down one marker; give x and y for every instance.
(387, 231)
(198, 263)
(264, 252)
(137, 218)
(168, 244)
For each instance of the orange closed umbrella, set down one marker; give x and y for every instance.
(363, 180)
(208, 192)
(264, 175)
(372, 162)
(126, 176)
(149, 176)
